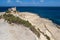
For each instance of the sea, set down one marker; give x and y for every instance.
(51, 13)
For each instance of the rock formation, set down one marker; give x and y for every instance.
(45, 27)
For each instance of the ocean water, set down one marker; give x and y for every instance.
(52, 13)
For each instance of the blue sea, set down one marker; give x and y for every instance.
(52, 13)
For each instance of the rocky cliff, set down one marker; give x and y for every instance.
(26, 26)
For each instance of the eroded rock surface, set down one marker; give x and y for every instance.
(47, 29)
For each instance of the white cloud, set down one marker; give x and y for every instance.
(9, 0)
(41, 0)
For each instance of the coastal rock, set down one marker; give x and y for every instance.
(15, 32)
(47, 29)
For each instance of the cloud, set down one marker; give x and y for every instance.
(41, 0)
(9, 0)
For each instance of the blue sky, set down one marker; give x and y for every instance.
(29, 2)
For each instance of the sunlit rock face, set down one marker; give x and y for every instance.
(46, 26)
(47, 29)
(38, 22)
(15, 32)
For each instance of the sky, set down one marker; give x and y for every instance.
(30, 3)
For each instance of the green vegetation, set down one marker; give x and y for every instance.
(35, 31)
(0, 16)
(13, 19)
(8, 11)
